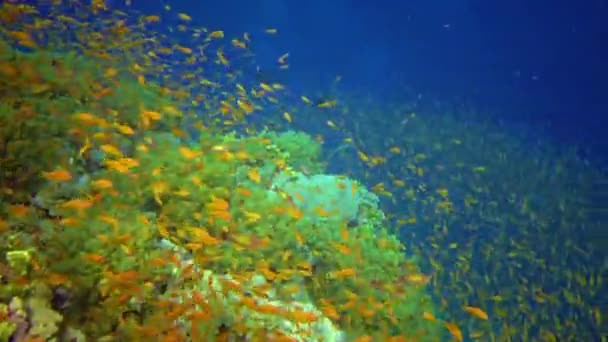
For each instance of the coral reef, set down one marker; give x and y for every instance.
(118, 222)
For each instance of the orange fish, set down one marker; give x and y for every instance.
(477, 312)
(23, 38)
(218, 204)
(342, 248)
(77, 203)
(124, 129)
(202, 236)
(57, 175)
(294, 212)
(151, 19)
(454, 330)
(300, 316)
(69, 222)
(322, 212)
(254, 175)
(90, 119)
(244, 192)
(428, 316)
(417, 279)
(329, 310)
(121, 165)
(189, 153)
(245, 106)
(101, 184)
(95, 258)
(127, 277)
(343, 273)
(111, 150)
(157, 262)
(56, 279)
(103, 93)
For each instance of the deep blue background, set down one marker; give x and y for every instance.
(532, 61)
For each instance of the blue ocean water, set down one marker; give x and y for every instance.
(533, 62)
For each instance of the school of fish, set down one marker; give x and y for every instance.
(137, 156)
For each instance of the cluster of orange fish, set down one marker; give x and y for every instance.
(111, 146)
(89, 231)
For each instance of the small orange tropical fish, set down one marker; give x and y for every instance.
(245, 106)
(287, 117)
(111, 150)
(189, 153)
(158, 262)
(254, 175)
(69, 222)
(343, 273)
(294, 212)
(329, 310)
(95, 258)
(184, 17)
(251, 216)
(477, 312)
(23, 38)
(121, 165)
(342, 248)
(300, 316)
(151, 19)
(418, 279)
(239, 44)
(77, 203)
(124, 129)
(90, 119)
(102, 184)
(218, 204)
(222, 58)
(216, 34)
(57, 175)
(428, 316)
(322, 212)
(202, 236)
(55, 279)
(454, 330)
(244, 192)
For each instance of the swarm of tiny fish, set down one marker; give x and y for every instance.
(138, 167)
(129, 212)
(505, 221)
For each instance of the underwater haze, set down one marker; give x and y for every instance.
(274, 170)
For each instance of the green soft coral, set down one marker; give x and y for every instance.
(302, 150)
(45, 321)
(6, 328)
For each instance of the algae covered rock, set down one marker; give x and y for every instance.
(7, 328)
(44, 320)
(328, 197)
(302, 150)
